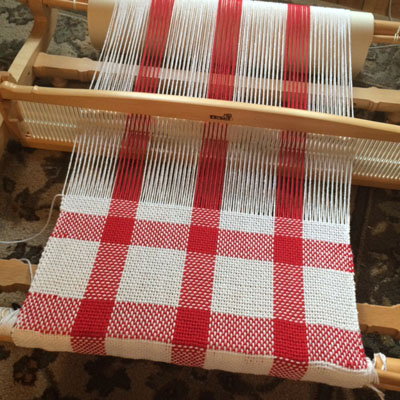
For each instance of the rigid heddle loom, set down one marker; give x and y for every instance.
(205, 214)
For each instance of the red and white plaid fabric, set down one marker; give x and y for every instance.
(202, 286)
(198, 287)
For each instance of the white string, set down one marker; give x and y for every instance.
(379, 393)
(252, 158)
(374, 374)
(383, 360)
(72, 15)
(29, 266)
(374, 378)
(40, 232)
(397, 34)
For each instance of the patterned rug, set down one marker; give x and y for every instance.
(30, 179)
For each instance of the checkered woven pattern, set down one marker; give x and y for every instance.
(198, 288)
(203, 285)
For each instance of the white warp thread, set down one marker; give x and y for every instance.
(259, 68)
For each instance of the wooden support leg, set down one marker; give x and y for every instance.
(379, 319)
(389, 379)
(15, 275)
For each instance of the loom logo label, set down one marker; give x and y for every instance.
(225, 117)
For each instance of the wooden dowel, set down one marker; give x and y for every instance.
(81, 5)
(380, 319)
(393, 388)
(376, 182)
(385, 39)
(15, 275)
(392, 364)
(376, 99)
(83, 69)
(205, 110)
(389, 378)
(6, 339)
(382, 27)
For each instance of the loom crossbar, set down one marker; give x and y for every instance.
(197, 109)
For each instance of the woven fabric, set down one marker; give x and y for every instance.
(136, 280)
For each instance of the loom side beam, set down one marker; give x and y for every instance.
(204, 110)
(44, 22)
(83, 70)
(15, 275)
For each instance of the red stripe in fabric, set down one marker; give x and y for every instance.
(48, 314)
(336, 350)
(163, 235)
(290, 336)
(328, 255)
(168, 235)
(154, 46)
(223, 63)
(193, 317)
(131, 160)
(245, 245)
(241, 334)
(153, 322)
(79, 226)
(93, 318)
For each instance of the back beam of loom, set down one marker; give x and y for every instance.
(383, 31)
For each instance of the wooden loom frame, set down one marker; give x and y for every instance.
(32, 62)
